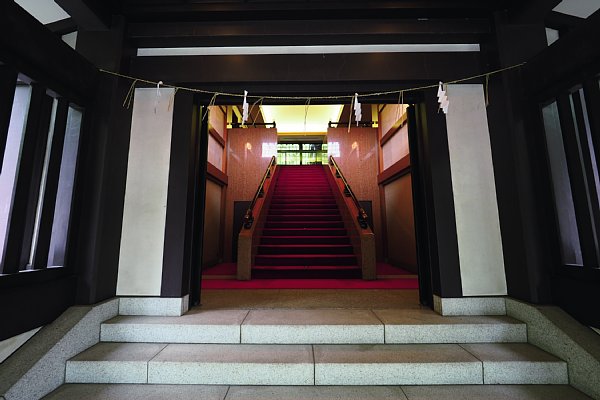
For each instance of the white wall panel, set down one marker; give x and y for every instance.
(144, 213)
(476, 209)
(395, 148)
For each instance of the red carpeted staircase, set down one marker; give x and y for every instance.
(304, 234)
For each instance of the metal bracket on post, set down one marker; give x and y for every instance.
(248, 220)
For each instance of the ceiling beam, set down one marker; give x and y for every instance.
(91, 15)
(307, 32)
(139, 10)
(310, 74)
(63, 26)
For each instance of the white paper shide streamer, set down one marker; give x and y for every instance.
(443, 98)
(245, 108)
(357, 109)
(157, 95)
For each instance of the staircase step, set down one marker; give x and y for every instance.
(328, 201)
(303, 206)
(305, 249)
(219, 392)
(208, 326)
(283, 211)
(305, 259)
(307, 224)
(321, 239)
(425, 364)
(305, 232)
(312, 327)
(425, 326)
(241, 364)
(292, 364)
(282, 218)
(518, 363)
(306, 272)
(112, 363)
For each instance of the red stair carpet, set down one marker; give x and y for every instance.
(304, 235)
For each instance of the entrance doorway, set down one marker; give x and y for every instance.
(374, 161)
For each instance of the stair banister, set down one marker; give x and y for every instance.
(362, 217)
(249, 217)
(253, 222)
(357, 222)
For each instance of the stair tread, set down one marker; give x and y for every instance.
(218, 392)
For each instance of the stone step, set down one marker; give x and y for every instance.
(212, 392)
(313, 327)
(255, 364)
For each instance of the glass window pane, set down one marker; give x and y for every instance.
(38, 211)
(11, 156)
(561, 184)
(66, 180)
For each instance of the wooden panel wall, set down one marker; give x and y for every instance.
(211, 251)
(245, 168)
(359, 161)
(400, 224)
(390, 115)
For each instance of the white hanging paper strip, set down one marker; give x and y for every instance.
(357, 109)
(245, 108)
(443, 98)
(157, 95)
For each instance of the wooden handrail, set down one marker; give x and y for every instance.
(362, 217)
(248, 217)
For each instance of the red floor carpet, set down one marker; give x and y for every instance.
(222, 276)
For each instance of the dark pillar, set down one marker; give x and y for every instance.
(104, 150)
(510, 120)
(8, 82)
(434, 186)
(185, 200)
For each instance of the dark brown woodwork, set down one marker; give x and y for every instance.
(216, 136)
(8, 82)
(331, 73)
(393, 129)
(29, 49)
(92, 15)
(63, 26)
(395, 171)
(307, 32)
(216, 175)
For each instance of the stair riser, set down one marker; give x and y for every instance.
(304, 225)
(283, 211)
(316, 260)
(291, 208)
(290, 218)
(305, 250)
(304, 232)
(320, 272)
(305, 240)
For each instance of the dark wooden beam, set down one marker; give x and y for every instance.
(395, 171)
(307, 32)
(562, 22)
(550, 70)
(289, 10)
(339, 72)
(216, 175)
(93, 15)
(63, 26)
(29, 49)
(8, 82)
